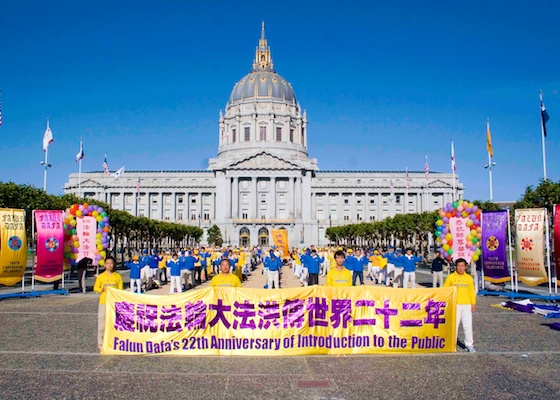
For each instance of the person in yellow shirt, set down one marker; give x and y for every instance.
(466, 300)
(104, 280)
(225, 278)
(378, 267)
(339, 275)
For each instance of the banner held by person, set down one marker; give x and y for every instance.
(50, 245)
(529, 247)
(297, 321)
(13, 246)
(280, 239)
(494, 246)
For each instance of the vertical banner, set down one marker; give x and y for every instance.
(13, 246)
(50, 245)
(459, 231)
(556, 247)
(529, 246)
(86, 229)
(494, 246)
(280, 239)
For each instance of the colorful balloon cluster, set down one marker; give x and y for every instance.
(444, 238)
(71, 241)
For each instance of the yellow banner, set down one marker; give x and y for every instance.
(300, 321)
(280, 239)
(13, 246)
(529, 246)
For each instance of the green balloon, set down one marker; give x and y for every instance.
(455, 204)
(74, 231)
(450, 251)
(475, 240)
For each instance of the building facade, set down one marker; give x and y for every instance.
(262, 177)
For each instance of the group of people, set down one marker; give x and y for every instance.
(185, 269)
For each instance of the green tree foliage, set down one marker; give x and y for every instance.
(214, 236)
(545, 195)
(138, 231)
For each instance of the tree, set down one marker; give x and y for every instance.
(214, 236)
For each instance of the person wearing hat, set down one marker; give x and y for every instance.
(135, 281)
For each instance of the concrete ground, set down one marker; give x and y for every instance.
(48, 351)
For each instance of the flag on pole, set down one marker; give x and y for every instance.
(138, 186)
(106, 166)
(118, 173)
(407, 179)
(81, 154)
(47, 137)
(453, 165)
(489, 139)
(544, 117)
(427, 168)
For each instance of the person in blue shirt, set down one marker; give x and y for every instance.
(175, 272)
(273, 264)
(359, 262)
(304, 267)
(391, 257)
(154, 269)
(409, 266)
(135, 280)
(313, 266)
(187, 268)
(204, 258)
(145, 269)
(398, 271)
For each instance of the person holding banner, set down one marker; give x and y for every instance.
(106, 279)
(225, 278)
(339, 275)
(466, 300)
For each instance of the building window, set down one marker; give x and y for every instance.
(347, 218)
(371, 218)
(234, 135)
(245, 214)
(180, 215)
(371, 201)
(193, 217)
(398, 199)
(206, 216)
(359, 217)
(302, 135)
(263, 198)
(247, 133)
(180, 199)
(291, 135)
(154, 200)
(193, 200)
(278, 134)
(263, 133)
(346, 201)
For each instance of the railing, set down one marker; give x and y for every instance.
(262, 221)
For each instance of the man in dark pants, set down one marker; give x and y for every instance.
(82, 267)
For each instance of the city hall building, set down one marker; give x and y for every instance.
(262, 177)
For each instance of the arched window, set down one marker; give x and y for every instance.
(244, 237)
(263, 237)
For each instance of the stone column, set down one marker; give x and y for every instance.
(235, 198)
(291, 196)
(340, 209)
(306, 197)
(298, 198)
(272, 210)
(160, 203)
(254, 199)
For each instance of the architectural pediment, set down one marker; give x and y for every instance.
(264, 160)
(440, 184)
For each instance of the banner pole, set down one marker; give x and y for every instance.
(510, 252)
(548, 252)
(543, 141)
(80, 178)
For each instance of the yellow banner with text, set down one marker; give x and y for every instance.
(299, 321)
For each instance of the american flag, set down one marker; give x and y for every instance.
(106, 166)
(453, 165)
(427, 168)
(407, 179)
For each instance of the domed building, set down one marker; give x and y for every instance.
(262, 177)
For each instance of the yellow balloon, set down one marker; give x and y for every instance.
(445, 247)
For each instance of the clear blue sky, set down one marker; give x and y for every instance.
(383, 83)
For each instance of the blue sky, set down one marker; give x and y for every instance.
(383, 83)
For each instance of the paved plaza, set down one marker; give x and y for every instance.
(48, 351)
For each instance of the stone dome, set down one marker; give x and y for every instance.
(263, 84)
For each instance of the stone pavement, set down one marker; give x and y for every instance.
(48, 351)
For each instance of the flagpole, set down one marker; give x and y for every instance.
(490, 175)
(46, 162)
(543, 142)
(453, 168)
(80, 172)
(490, 162)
